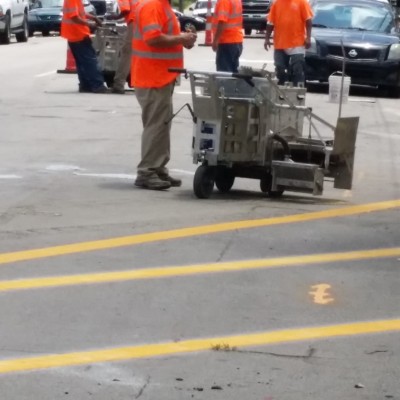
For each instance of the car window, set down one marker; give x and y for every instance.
(47, 4)
(359, 16)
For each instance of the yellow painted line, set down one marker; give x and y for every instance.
(193, 231)
(196, 345)
(173, 271)
(321, 293)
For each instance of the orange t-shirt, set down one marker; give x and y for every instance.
(149, 67)
(70, 30)
(289, 19)
(230, 12)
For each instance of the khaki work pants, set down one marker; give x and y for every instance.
(124, 65)
(156, 105)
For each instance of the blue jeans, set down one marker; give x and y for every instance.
(89, 73)
(289, 68)
(228, 56)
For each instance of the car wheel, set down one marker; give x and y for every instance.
(5, 37)
(189, 27)
(247, 31)
(23, 36)
(31, 32)
(46, 33)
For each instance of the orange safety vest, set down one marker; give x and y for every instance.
(70, 30)
(125, 6)
(149, 67)
(230, 12)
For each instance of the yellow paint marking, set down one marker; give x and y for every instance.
(193, 231)
(195, 345)
(320, 293)
(166, 272)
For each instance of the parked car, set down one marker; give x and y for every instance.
(188, 23)
(105, 7)
(46, 15)
(361, 33)
(13, 19)
(254, 15)
(200, 8)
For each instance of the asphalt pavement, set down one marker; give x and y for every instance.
(108, 291)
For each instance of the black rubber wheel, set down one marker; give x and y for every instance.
(203, 183)
(5, 37)
(31, 32)
(46, 33)
(265, 186)
(224, 179)
(23, 36)
(247, 31)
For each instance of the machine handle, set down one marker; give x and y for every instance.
(247, 78)
(179, 70)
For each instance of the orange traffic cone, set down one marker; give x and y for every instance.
(70, 67)
(208, 37)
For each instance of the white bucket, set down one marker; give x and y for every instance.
(335, 83)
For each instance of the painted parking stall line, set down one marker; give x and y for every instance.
(25, 255)
(192, 270)
(197, 345)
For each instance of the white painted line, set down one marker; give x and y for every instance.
(113, 176)
(10, 177)
(63, 167)
(183, 92)
(45, 74)
(182, 171)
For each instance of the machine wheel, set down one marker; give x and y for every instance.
(247, 31)
(265, 186)
(23, 36)
(203, 183)
(5, 37)
(224, 179)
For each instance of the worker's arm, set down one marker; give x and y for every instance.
(268, 33)
(218, 33)
(88, 22)
(307, 42)
(187, 39)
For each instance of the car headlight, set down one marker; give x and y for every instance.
(313, 47)
(394, 52)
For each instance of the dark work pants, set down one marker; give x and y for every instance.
(228, 56)
(289, 68)
(89, 73)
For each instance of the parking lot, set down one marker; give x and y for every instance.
(113, 292)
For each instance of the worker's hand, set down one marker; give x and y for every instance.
(188, 39)
(214, 45)
(307, 43)
(92, 25)
(267, 44)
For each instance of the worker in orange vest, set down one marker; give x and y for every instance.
(227, 34)
(75, 27)
(121, 74)
(157, 45)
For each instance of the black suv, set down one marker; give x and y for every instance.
(254, 14)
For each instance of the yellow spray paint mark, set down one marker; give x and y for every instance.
(321, 294)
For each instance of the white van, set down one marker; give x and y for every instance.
(14, 19)
(200, 8)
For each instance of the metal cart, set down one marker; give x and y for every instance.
(107, 43)
(247, 126)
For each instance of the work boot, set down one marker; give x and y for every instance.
(152, 182)
(101, 90)
(173, 181)
(117, 90)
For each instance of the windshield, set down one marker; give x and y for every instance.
(363, 17)
(47, 4)
(203, 4)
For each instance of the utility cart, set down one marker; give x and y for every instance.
(108, 42)
(247, 126)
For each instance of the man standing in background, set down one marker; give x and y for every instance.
(227, 34)
(157, 45)
(121, 74)
(291, 22)
(75, 27)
